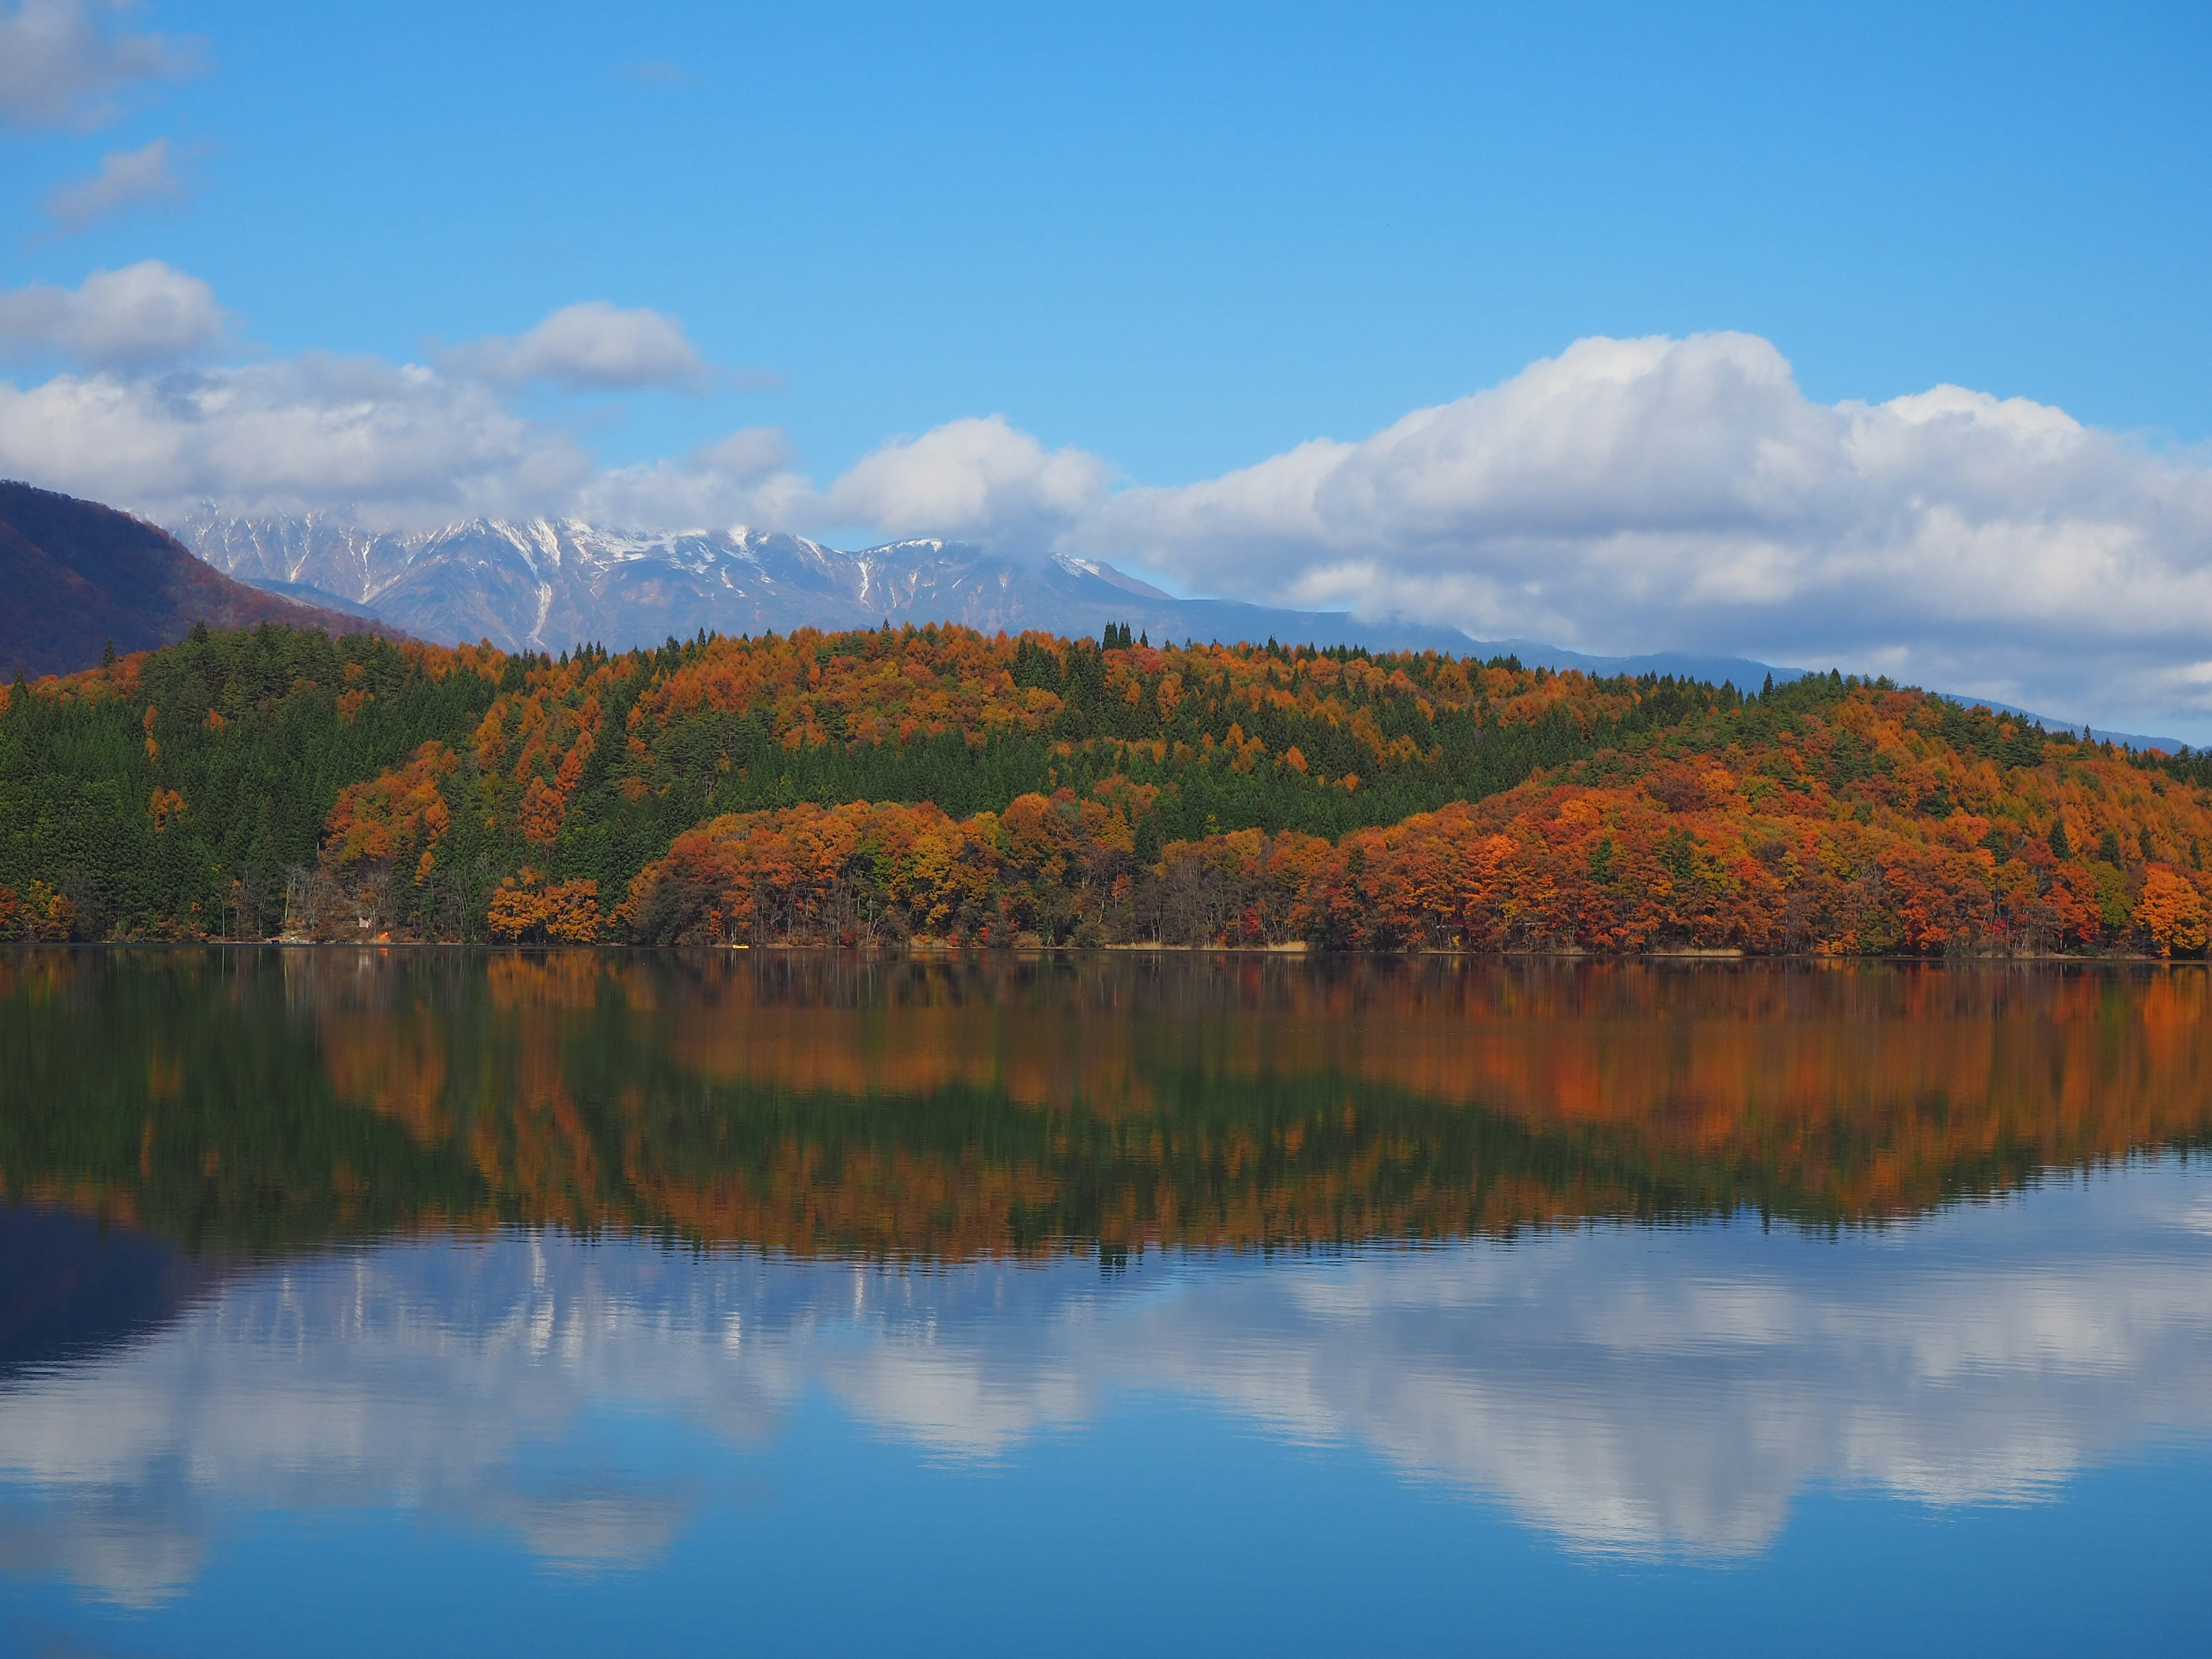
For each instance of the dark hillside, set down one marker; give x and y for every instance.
(76, 576)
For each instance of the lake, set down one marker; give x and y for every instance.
(360, 1301)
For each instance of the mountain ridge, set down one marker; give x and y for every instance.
(550, 585)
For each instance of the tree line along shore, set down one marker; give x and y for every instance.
(903, 787)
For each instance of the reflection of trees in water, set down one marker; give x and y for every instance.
(848, 1104)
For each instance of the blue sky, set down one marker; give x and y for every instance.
(1187, 241)
(1172, 241)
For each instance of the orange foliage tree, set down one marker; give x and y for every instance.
(529, 910)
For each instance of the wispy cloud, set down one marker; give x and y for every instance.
(656, 74)
(63, 62)
(127, 178)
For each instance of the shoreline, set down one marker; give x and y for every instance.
(1300, 950)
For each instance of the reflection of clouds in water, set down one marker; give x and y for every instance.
(114, 1544)
(1625, 1396)
(1622, 1389)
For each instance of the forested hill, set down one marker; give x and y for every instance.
(935, 784)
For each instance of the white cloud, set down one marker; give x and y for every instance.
(979, 480)
(140, 316)
(750, 453)
(1665, 494)
(398, 444)
(127, 178)
(395, 445)
(744, 478)
(1626, 495)
(61, 62)
(594, 346)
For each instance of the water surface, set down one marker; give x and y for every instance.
(555, 1303)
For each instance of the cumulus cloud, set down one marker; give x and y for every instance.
(62, 61)
(394, 446)
(747, 478)
(1626, 495)
(143, 315)
(591, 347)
(978, 480)
(1684, 494)
(401, 445)
(127, 178)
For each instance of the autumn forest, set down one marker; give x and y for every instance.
(937, 787)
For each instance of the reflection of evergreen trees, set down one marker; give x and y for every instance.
(261, 1097)
(179, 1090)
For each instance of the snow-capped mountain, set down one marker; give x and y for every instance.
(547, 585)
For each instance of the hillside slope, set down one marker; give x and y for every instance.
(76, 577)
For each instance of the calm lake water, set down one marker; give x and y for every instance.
(354, 1302)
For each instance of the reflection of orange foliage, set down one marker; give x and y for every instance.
(1860, 1093)
(540, 1151)
(1060, 1056)
(104, 1204)
(564, 981)
(810, 1103)
(394, 1065)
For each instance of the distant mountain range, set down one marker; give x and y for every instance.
(543, 584)
(547, 586)
(76, 577)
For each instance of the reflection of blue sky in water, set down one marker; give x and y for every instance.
(1663, 1393)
